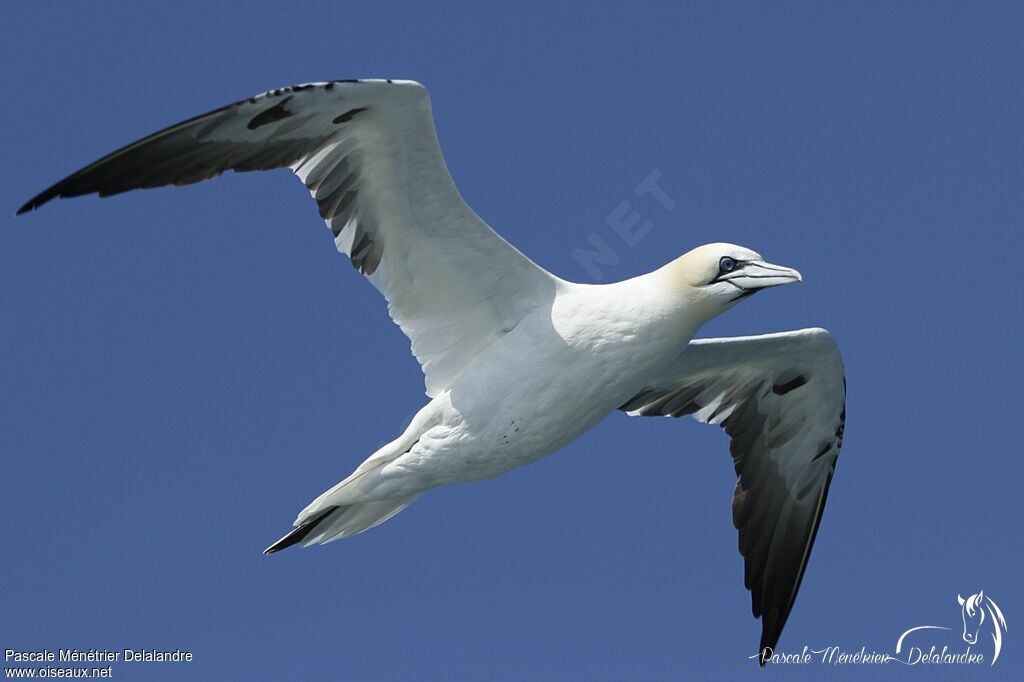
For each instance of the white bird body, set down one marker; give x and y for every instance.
(576, 360)
(517, 362)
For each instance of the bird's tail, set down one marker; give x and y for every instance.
(341, 521)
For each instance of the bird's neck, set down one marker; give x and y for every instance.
(674, 293)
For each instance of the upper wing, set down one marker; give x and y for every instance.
(368, 152)
(781, 398)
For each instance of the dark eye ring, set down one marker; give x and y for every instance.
(727, 264)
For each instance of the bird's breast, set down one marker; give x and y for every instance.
(554, 376)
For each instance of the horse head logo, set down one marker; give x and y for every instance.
(977, 610)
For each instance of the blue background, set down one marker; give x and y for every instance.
(182, 370)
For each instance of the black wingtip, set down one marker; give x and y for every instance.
(37, 201)
(764, 654)
(771, 630)
(298, 534)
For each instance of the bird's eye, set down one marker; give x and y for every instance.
(727, 264)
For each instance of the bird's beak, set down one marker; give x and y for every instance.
(754, 275)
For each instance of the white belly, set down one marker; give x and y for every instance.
(535, 390)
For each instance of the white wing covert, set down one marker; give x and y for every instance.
(781, 399)
(368, 153)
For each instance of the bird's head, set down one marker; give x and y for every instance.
(714, 277)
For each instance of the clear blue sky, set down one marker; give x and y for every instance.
(182, 370)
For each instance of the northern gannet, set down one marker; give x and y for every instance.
(518, 362)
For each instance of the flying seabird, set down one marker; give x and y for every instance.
(518, 362)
